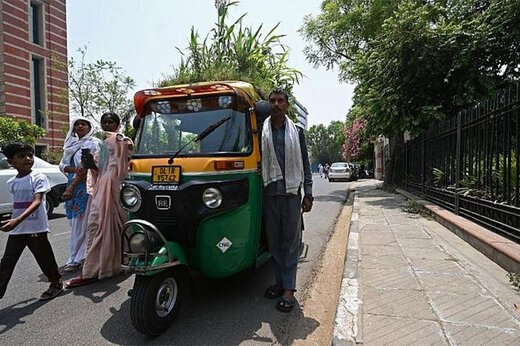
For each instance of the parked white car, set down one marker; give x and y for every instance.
(57, 180)
(340, 171)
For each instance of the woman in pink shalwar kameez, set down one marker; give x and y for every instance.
(106, 217)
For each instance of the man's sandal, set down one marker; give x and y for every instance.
(286, 304)
(273, 292)
(52, 292)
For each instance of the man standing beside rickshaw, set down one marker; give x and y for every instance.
(285, 169)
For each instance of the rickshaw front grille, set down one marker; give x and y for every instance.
(166, 222)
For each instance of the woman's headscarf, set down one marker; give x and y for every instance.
(72, 142)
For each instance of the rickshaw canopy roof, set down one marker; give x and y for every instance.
(141, 98)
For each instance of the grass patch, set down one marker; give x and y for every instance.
(413, 207)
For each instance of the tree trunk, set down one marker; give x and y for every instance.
(394, 160)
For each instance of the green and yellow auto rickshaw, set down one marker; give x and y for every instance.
(194, 193)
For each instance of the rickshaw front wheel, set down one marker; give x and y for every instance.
(156, 299)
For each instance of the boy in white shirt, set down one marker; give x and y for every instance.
(29, 224)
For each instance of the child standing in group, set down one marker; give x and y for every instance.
(29, 224)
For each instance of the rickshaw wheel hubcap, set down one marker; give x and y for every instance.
(166, 297)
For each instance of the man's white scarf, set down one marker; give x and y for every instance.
(271, 170)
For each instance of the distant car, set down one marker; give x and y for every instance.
(57, 180)
(340, 171)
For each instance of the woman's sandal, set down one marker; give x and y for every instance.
(69, 268)
(286, 304)
(273, 292)
(79, 281)
(52, 292)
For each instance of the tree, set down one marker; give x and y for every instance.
(325, 142)
(98, 87)
(351, 146)
(18, 130)
(416, 62)
(234, 52)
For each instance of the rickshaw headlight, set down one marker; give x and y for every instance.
(130, 198)
(212, 198)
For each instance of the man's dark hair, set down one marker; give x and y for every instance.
(279, 91)
(12, 148)
(112, 116)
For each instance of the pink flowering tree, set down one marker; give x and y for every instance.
(353, 135)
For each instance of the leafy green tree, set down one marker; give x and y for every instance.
(18, 130)
(234, 52)
(98, 87)
(325, 143)
(416, 62)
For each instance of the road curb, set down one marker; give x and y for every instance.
(348, 321)
(321, 297)
(500, 250)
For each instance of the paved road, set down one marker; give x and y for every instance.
(230, 311)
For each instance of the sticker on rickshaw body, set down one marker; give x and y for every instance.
(224, 244)
(164, 188)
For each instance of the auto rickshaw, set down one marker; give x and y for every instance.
(194, 193)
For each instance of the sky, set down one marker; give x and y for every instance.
(141, 36)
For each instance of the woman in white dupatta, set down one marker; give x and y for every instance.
(80, 136)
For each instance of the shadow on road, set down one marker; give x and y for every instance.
(339, 196)
(219, 312)
(99, 290)
(15, 314)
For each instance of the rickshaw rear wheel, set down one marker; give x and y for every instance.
(156, 300)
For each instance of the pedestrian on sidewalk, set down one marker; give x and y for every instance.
(326, 171)
(80, 136)
(29, 224)
(285, 170)
(320, 170)
(106, 217)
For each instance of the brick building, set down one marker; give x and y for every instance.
(33, 56)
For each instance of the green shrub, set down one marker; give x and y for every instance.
(413, 207)
(514, 280)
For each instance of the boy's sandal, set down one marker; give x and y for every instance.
(52, 292)
(273, 292)
(286, 304)
(79, 281)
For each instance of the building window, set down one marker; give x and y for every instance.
(36, 23)
(38, 91)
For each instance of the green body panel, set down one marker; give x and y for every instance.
(240, 226)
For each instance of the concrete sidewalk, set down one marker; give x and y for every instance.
(409, 280)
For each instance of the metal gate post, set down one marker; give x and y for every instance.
(457, 162)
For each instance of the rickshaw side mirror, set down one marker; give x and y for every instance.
(262, 109)
(136, 122)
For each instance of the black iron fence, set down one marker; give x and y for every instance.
(470, 164)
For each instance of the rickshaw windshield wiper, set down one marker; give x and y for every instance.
(200, 136)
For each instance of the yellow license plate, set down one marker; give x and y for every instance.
(166, 174)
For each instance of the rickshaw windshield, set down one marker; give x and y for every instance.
(171, 124)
